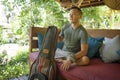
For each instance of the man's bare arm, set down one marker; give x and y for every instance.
(60, 38)
(83, 52)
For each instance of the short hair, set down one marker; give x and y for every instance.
(75, 7)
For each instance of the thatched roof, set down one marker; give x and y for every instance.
(89, 3)
(80, 3)
(114, 4)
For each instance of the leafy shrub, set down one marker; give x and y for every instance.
(17, 66)
(2, 56)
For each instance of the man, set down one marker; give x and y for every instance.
(75, 40)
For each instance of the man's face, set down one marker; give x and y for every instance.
(74, 16)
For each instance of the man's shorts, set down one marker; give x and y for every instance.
(62, 54)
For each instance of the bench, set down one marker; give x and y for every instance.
(97, 70)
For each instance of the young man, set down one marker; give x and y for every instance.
(75, 40)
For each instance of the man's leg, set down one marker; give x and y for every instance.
(83, 61)
(61, 55)
(60, 59)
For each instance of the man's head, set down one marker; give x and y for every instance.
(75, 14)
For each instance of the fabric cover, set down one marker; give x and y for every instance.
(108, 51)
(118, 52)
(40, 40)
(93, 45)
(96, 70)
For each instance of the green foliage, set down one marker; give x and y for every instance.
(23, 14)
(48, 12)
(0, 34)
(22, 56)
(92, 16)
(43, 13)
(12, 71)
(2, 56)
(18, 66)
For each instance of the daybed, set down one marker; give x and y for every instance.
(96, 70)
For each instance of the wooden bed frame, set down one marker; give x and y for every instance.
(33, 44)
(33, 40)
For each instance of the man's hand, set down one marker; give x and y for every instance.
(60, 38)
(66, 64)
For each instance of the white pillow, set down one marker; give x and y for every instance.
(109, 49)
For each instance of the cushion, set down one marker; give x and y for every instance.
(118, 52)
(96, 70)
(93, 45)
(60, 44)
(40, 40)
(109, 49)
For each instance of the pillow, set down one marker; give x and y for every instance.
(40, 40)
(60, 44)
(109, 49)
(118, 52)
(93, 45)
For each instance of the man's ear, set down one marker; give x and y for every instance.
(80, 16)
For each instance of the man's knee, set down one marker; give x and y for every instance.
(86, 60)
(83, 61)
